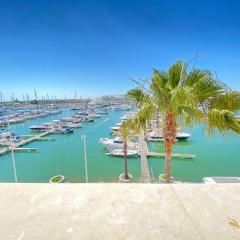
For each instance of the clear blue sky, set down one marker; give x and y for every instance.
(63, 46)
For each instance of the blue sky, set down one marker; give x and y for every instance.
(62, 46)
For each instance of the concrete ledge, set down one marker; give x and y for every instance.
(119, 211)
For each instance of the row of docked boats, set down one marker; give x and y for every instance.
(85, 116)
(67, 124)
(111, 107)
(153, 136)
(114, 146)
(23, 115)
(8, 138)
(56, 126)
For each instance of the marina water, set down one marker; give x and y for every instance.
(215, 156)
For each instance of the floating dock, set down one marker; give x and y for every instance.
(40, 139)
(174, 155)
(16, 146)
(25, 149)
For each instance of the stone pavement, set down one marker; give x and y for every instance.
(119, 211)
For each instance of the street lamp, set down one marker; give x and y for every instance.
(14, 165)
(84, 138)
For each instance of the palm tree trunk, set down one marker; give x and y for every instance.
(125, 161)
(170, 130)
(168, 153)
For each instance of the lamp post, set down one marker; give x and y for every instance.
(14, 165)
(84, 138)
(13, 158)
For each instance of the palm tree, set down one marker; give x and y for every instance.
(185, 98)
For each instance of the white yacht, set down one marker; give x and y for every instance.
(115, 129)
(73, 125)
(120, 152)
(154, 137)
(94, 115)
(117, 143)
(40, 128)
(182, 136)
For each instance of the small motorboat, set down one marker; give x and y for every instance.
(155, 138)
(86, 119)
(64, 130)
(94, 115)
(182, 136)
(40, 128)
(117, 143)
(120, 152)
(89, 120)
(72, 125)
(115, 129)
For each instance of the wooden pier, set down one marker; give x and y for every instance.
(16, 146)
(143, 152)
(40, 139)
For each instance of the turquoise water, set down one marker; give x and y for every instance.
(214, 156)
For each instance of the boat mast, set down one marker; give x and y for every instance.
(1, 98)
(27, 97)
(48, 100)
(36, 97)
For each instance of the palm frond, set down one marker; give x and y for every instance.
(189, 116)
(195, 76)
(228, 101)
(143, 116)
(136, 94)
(223, 121)
(207, 88)
(124, 129)
(175, 74)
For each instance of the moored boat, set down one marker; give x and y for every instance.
(64, 130)
(182, 136)
(8, 138)
(94, 115)
(154, 137)
(40, 128)
(115, 129)
(120, 152)
(117, 143)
